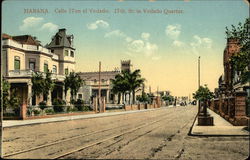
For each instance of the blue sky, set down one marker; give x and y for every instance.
(164, 46)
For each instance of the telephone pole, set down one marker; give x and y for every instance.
(99, 88)
(199, 83)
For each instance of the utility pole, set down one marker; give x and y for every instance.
(99, 88)
(199, 83)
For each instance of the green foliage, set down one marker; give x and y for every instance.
(168, 98)
(6, 88)
(143, 98)
(203, 94)
(127, 82)
(15, 101)
(41, 85)
(241, 60)
(73, 82)
(36, 111)
(49, 111)
(58, 105)
(42, 105)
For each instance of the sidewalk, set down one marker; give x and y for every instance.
(14, 123)
(221, 128)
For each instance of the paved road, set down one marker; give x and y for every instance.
(157, 134)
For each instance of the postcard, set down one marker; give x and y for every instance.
(125, 79)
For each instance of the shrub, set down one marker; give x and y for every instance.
(42, 105)
(58, 102)
(58, 108)
(49, 111)
(36, 111)
(72, 109)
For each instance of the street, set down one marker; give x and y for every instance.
(156, 134)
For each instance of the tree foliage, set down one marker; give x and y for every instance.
(73, 82)
(128, 82)
(203, 94)
(41, 85)
(241, 60)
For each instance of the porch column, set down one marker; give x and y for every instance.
(63, 92)
(49, 99)
(29, 100)
(108, 95)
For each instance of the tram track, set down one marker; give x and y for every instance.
(88, 134)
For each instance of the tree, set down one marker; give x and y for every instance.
(135, 81)
(41, 85)
(127, 82)
(73, 82)
(48, 85)
(6, 88)
(37, 83)
(120, 85)
(241, 60)
(203, 94)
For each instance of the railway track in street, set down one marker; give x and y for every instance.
(78, 138)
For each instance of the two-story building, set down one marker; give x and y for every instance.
(23, 55)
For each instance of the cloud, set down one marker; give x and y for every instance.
(98, 24)
(150, 49)
(173, 31)
(116, 33)
(50, 27)
(201, 42)
(30, 22)
(136, 46)
(178, 43)
(145, 36)
(141, 47)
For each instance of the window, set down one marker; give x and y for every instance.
(32, 65)
(57, 40)
(66, 53)
(66, 71)
(54, 70)
(45, 67)
(17, 63)
(72, 53)
(52, 51)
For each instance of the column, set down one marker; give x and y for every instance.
(107, 93)
(63, 92)
(29, 101)
(49, 99)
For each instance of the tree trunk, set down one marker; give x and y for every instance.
(119, 98)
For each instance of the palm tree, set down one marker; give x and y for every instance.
(135, 81)
(73, 82)
(127, 82)
(48, 85)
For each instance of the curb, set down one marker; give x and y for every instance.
(121, 113)
(212, 135)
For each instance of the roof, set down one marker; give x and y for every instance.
(23, 39)
(61, 39)
(26, 39)
(106, 75)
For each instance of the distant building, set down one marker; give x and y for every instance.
(91, 87)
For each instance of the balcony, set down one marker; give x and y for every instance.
(28, 74)
(27, 47)
(20, 73)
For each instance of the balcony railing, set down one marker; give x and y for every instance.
(29, 47)
(29, 73)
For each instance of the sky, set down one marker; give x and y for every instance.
(161, 38)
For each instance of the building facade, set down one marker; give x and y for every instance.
(91, 87)
(24, 55)
(231, 95)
